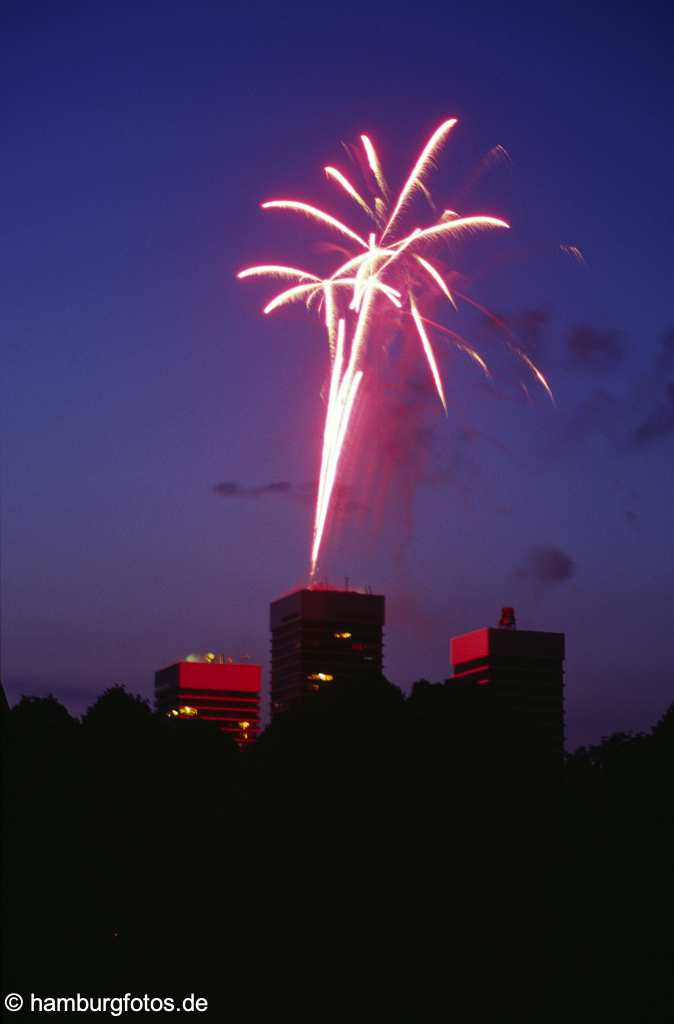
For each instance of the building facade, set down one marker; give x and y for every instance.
(524, 670)
(211, 688)
(322, 636)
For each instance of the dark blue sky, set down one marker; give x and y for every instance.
(139, 374)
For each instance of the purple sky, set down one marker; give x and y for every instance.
(139, 374)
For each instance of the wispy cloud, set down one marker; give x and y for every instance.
(231, 489)
(659, 423)
(549, 566)
(305, 493)
(595, 348)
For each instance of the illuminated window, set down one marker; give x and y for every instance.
(342, 636)
(187, 712)
(321, 677)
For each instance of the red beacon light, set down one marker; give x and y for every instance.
(507, 620)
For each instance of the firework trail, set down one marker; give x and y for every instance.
(389, 267)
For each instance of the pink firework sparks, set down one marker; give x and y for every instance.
(386, 267)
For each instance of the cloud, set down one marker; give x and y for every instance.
(632, 517)
(305, 493)
(634, 418)
(525, 327)
(547, 565)
(595, 348)
(530, 325)
(660, 421)
(230, 489)
(664, 359)
(599, 413)
(658, 397)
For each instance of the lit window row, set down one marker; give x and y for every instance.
(182, 712)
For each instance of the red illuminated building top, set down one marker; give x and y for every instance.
(489, 643)
(212, 689)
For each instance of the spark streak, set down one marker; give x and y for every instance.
(289, 295)
(429, 352)
(342, 395)
(269, 270)
(430, 269)
(436, 140)
(311, 211)
(375, 166)
(462, 224)
(337, 176)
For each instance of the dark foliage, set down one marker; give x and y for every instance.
(371, 857)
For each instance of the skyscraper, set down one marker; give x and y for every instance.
(213, 689)
(524, 670)
(322, 636)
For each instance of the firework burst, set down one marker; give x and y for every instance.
(386, 269)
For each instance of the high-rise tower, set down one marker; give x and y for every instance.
(322, 636)
(524, 670)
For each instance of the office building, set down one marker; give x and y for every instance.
(524, 670)
(322, 636)
(212, 688)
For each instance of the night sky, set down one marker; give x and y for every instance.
(162, 437)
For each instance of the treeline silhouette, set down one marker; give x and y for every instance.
(369, 857)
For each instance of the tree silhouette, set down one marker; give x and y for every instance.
(41, 716)
(117, 709)
(360, 820)
(664, 728)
